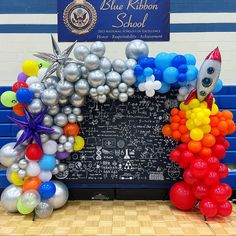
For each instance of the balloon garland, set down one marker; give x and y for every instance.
(50, 92)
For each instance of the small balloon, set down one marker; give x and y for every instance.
(79, 143)
(8, 99)
(43, 210)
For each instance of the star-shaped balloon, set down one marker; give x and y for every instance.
(57, 60)
(32, 128)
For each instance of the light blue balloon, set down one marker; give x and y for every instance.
(163, 60)
(148, 71)
(165, 88)
(47, 162)
(191, 59)
(218, 87)
(173, 55)
(192, 73)
(170, 75)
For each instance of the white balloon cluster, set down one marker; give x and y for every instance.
(185, 90)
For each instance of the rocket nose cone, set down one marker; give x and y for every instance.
(214, 55)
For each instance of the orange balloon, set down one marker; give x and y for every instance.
(182, 114)
(231, 126)
(175, 119)
(214, 121)
(174, 126)
(176, 135)
(227, 114)
(208, 140)
(183, 129)
(31, 183)
(222, 126)
(205, 152)
(215, 131)
(71, 129)
(185, 138)
(166, 130)
(174, 111)
(194, 146)
(18, 109)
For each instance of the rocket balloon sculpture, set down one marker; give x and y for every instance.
(207, 78)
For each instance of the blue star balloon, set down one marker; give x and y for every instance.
(32, 128)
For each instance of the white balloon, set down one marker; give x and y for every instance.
(150, 93)
(150, 78)
(33, 168)
(32, 79)
(180, 98)
(41, 73)
(156, 85)
(183, 91)
(45, 176)
(149, 85)
(141, 87)
(50, 147)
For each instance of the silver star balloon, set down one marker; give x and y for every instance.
(57, 60)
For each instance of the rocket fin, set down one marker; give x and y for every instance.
(191, 96)
(209, 100)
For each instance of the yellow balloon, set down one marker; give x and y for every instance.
(196, 134)
(79, 143)
(190, 124)
(206, 121)
(206, 129)
(30, 68)
(188, 114)
(194, 103)
(15, 179)
(200, 115)
(214, 109)
(207, 112)
(197, 122)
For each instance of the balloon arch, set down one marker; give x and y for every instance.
(50, 92)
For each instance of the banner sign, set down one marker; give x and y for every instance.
(113, 20)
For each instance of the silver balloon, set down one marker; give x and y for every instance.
(84, 72)
(60, 197)
(81, 52)
(62, 167)
(105, 65)
(80, 118)
(112, 96)
(119, 65)
(68, 146)
(131, 63)
(9, 154)
(51, 82)
(82, 87)
(9, 197)
(92, 62)
(136, 49)
(67, 110)
(36, 106)
(123, 87)
(62, 139)
(71, 118)
(93, 92)
(98, 48)
(77, 100)
(44, 210)
(128, 77)
(113, 79)
(20, 132)
(130, 92)
(71, 139)
(49, 97)
(65, 88)
(23, 164)
(47, 120)
(44, 138)
(115, 92)
(101, 90)
(72, 72)
(60, 120)
(60, 148)
(102, 98)
(37, 89)
(107, 89)
(55, 171)
(53, 110)
(15, 167)
(76, 111)
(63, 100)
(59, 132)
(22, 174)
(123, 97)
(96, 78)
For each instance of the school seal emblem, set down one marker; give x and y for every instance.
(80, 17)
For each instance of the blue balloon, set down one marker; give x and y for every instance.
(148, 71)
(218, 87)
(165, 88)
(163, 60)
(170, 75)
(181, 84)
(47, 190)
(191, 59)
(24, 96)
(152, 62)
(194, 68)
(140, 79)
(138, 70)
(182, 77)
(173, 55)
(144, 62)
(183, 68)
(47, 162)
(175, 85)
(158, 74)
(178, 61)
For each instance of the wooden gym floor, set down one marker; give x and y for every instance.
(117, 218)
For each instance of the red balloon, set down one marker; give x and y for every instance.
(187, 156)
(18, 85)
(183, 164)
(199, 168)
(225, 209)
(175, 155)
(213, 163)
(33, 152)
(228, 189)
(218, 151)
(183, 147)
(218, 193)
(188, 177)
(226, 144)
(200, 190)
(223, 171)
(208, 207)
(182, 197)
(212, 178)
